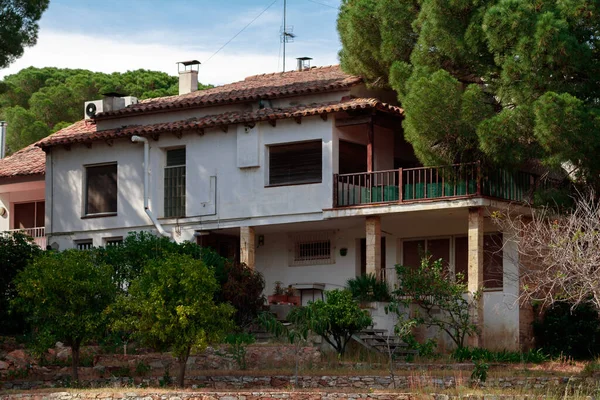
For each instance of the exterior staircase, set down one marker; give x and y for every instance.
(381, 341)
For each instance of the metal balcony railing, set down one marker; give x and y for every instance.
(408, 185)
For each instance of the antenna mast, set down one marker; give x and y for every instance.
(287, 35)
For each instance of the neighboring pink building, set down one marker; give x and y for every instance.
(22, 192)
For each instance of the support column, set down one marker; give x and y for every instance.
(247, 246)
(475, 271)
(370, 147)
(373, 242)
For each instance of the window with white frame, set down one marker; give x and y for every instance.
(296, 163)
(101, 189)
(311, 248)
(175, 183)
(84, 244)
(113, 241)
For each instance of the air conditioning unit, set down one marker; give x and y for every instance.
(110, 103)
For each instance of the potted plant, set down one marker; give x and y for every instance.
(278, 294)
(291, 296)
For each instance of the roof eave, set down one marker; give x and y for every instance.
(186, 106)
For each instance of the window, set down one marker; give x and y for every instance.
(175, 183)
(101, 189)
(113, 241)
(311, 248)
(296, 163)
(414, 250)
(85, 244)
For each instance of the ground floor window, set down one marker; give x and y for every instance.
(311, 248)
(453, 251)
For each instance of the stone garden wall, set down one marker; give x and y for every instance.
(295, 395)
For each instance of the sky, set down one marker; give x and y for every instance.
(121, 35)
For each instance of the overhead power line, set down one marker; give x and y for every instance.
(242, 30)
(323, 4)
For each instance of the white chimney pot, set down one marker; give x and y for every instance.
(188, 82)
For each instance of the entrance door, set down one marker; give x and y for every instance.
(363, 258)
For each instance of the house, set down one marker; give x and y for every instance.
(22, 195)
(303, 175)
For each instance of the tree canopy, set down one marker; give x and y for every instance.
(64, 295)
(18, 27)
(39, 101)
(503, 81)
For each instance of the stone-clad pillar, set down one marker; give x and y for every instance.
(247, 246)
(373, 250)
(475, 270)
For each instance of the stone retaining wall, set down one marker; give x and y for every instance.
(367, 383)
(255, 396)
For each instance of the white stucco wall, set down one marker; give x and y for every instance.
(218, 192)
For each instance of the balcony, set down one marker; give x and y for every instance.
(38, 235)
(410, 185)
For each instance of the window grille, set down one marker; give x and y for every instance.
(311, 248)
(175, 183)
(296, 163)
(116, 241)
(101, 189)
(86, 244)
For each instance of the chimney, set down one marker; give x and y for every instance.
(303, 63)
(3, 126)
(188, 76)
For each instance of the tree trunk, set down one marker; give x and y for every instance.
(75, 359)
(182, 365)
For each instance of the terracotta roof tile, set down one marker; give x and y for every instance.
(86, 132)
(281, 84)
(28, 161)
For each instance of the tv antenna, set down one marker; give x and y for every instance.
(287, 32)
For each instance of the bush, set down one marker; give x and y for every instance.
(16, 251)
(243, 289)
(440, 298)
(368, 288)
(139, 248)
(568, 331)
(504, 356)
(336, 319)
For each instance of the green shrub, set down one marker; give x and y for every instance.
(336, 319)
(441, 300)
(238, 342)
(564, 330)
(141, 368)
(504, 356)
(368, 288)
(16, 251)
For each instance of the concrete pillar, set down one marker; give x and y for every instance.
(475, 271)
(247, 246)
(373, 256)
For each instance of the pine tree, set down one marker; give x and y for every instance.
(503, 81)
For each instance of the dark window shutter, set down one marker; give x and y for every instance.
(296, 163)
(101, 193)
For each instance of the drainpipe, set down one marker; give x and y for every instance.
(159, 228)
(3, 125)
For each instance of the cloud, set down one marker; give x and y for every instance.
(108, 54)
